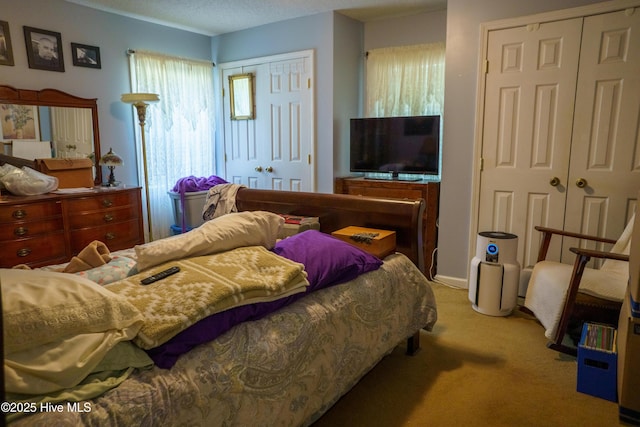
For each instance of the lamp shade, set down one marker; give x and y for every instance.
(134, 98)
(111, 159)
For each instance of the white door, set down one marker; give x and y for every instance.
(276, 150)
(242, 150)
(605, 150)
(529, 100)
(546, 162)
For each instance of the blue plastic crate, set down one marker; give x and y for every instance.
(598, 365)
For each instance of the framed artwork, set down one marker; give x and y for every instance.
(44, 49)
(241, 97)
(20, 122)
(6, 51)
(85, 55)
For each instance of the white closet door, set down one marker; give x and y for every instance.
(287, 162)
(529, 102)
(605, 151)
(242, 150)
(562, 100)
(276, 149)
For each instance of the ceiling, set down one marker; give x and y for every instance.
(214, 17)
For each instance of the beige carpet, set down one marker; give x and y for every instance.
(473, 370)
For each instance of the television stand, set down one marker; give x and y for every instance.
(394, 178)
(391, 188)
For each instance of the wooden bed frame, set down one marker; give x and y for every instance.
(336, 211)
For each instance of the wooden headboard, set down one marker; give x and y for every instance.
(336, 211)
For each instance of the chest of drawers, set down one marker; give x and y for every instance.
(49, 229)
(429, 191)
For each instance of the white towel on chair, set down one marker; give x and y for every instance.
(549, 282)
(548, 286)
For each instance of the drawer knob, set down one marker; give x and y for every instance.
(107, 203)
(19, 214)
(21, 231)
(108, 218)
(110, 236)
(23, 252)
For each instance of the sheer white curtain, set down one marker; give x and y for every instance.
(180, 128)
(405, 81)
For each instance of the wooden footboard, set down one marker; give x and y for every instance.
(336, 211)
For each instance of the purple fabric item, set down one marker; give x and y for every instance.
(190, 184)
(328, 261)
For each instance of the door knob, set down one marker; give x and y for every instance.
(581, 183)
(259, 169)
(269, 169)
(555, 181)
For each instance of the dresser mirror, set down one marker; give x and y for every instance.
(48, 122)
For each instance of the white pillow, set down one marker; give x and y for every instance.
(220, 234)
(41, 307)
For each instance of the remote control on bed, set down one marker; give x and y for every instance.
(160, 275)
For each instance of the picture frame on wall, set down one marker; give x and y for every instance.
(20, 122)
(44, 49)
(85, 56)
(6, 51)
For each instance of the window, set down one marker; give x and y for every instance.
(180, 130)
(405, 80)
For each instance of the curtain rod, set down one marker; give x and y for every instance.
(132, 51)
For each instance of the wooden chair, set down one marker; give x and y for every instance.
(559, 295)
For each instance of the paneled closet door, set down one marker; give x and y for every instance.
(604, 175)
(529, 102)
(561, 144)
(275, 150)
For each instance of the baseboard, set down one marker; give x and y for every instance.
(455, 282)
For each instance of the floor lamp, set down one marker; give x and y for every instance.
(141, 101)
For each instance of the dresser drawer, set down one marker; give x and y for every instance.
(36, 251)
(25, 229)
(101, 201)
(30, 211)
(107, 216)
(116, 236)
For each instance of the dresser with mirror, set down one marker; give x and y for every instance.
(52, 228)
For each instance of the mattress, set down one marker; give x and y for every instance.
(287, 368)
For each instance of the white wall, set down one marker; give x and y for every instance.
(428, 27)
(316, 32)
(113, 34)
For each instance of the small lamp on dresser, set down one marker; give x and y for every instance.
(111, 160)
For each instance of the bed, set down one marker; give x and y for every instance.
(286, 366)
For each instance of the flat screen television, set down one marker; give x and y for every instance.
(396, 145)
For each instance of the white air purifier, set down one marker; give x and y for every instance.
(494, 275)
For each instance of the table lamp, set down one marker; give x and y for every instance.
(111, 160)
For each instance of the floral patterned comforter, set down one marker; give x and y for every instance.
(286, 369)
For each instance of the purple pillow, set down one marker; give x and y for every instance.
(326, 259)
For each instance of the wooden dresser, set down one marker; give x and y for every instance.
(427, 190)
(52, 228)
